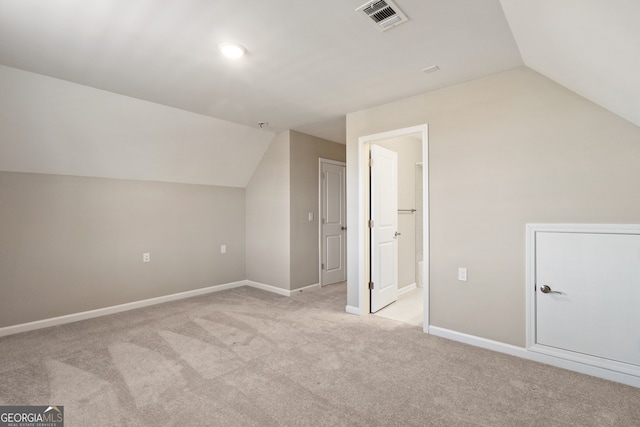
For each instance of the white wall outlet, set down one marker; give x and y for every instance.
(310, 216)
(462, 274)
(146, 257)
(223, 249)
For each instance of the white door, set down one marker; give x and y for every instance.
(588, 294)
(384, 227)
(333, 199)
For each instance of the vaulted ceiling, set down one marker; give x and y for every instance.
(591, 47)
(310, 63)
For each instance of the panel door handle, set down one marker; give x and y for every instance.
(343, 228)
(547, 290)
(397, 234)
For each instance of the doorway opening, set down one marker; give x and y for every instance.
(414, 213)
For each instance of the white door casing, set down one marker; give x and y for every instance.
(333, 221)
(585, 303)
(384, 217)
(359, 271)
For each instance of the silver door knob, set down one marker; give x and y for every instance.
(547, 290)
(397, 234)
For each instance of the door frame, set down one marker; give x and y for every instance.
(568, 356)
(362, 230)
(319, 215)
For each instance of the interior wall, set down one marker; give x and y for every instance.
(505, 150)
(409, 152)
(71, 244)
(268, 213)
(56, 127)
(91, 179)
(306, 151)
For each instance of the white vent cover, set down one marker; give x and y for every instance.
(383, 14)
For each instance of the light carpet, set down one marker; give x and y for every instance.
(245, 357)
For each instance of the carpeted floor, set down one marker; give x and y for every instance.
(247, 357)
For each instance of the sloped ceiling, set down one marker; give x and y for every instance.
(309, 63)
(590, 47)
(56, 127)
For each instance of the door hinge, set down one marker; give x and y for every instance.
(323, 175)
(370, 285)
(323, 221)
(370, 162)
(322, 266)
(370, 223)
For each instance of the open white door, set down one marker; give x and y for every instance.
(384, 227)
(333, 199)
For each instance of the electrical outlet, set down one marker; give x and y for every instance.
(146, 257)
(223, 249)
(462, 274)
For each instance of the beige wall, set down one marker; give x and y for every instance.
(409, 152)
(282, 244)
(267, 217)
(86, 187)
(71, 244)
(306, 150)
(506, 150)
(53, 126)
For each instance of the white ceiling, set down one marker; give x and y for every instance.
(591, 47)
(312, 62)
(309, 64)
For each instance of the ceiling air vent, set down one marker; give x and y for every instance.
(383, 14)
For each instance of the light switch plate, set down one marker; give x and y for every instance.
(462, 274)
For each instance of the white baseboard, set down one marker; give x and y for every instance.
(75, 317)
(304, 288)
(276, 290)
(354, 310)
(268, 288)
(513, 350)
(406, 289)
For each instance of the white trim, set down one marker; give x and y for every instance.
(276, 290)
(406, 289)
(354, 310)
(75, 317)
(332, 162)
(362, 212)
(587, 228)
(547, 359)
(585, 359)
(304, 288)
(268, 288)
(556, 353)
(320, 240)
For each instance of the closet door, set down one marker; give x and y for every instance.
(587, 294)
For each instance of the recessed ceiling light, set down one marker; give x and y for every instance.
(232, 50)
